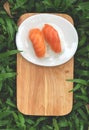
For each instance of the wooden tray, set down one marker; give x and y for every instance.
(44, 90)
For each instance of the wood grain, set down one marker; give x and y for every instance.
(44, 90)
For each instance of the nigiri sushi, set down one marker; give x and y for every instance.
(52, 37)
(38, 42)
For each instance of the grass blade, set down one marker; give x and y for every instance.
(4, 76)
(80, 81)
(55, 124)
(8, 53)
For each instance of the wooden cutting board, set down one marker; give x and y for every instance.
(44, 90)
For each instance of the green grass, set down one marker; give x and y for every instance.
(10, 117)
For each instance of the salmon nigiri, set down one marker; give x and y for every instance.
(52, 37)
(37, 39)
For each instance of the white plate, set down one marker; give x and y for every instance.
(68, 36)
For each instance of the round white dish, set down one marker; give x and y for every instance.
(67, 33)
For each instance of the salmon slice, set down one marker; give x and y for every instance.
(38, 42)
(52, 37)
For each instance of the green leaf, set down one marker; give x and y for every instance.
(9, 27)
(82, 114)
(75, 88)
(84, 6)
(81, 81)
(2, 22)
(82, 97)
(57, 3)
(39, 120)
(32, 128)
(83, 61)
(4, 76)
(82, 41)
(8, 53)
(21, 119)
(1, 85)
(49, 127)
(83, 50)
(83, 72)
(29, 121)
(77, 105)
(55, 124)
(63, 123)
(48, 4)
(83, 90)
(19, 4)
(4, 123)
(15, 116)
(81, 125)
(39, 7)
(10, 103)
(77, 122)
(68, 3)
(4, 114)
